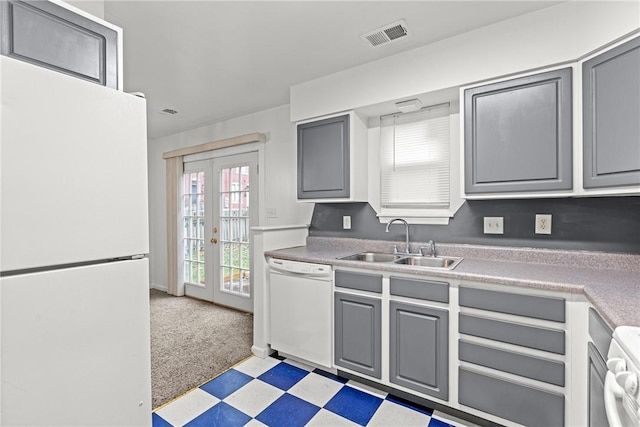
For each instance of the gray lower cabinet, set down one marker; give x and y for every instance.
(518, 135)
(611, 107)
(51, 36)
(510, 400)
(323, 159)
(597, 417)
(539, 338)
(600, 334)
(537, 307)
(517, 363)
(358, 333)
(496, 372)
(418, 345)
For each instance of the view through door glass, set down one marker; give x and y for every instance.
(196, 223)
(234, 230)
(236, 204)
(193, 233)
(219, 208)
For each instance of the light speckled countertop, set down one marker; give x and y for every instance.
(610, 281)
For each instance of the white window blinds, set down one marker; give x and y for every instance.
(414, 159)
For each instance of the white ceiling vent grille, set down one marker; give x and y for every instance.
(169, 111)
(386, 34)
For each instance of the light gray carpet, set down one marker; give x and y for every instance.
(193, 341)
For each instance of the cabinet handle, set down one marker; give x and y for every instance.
(214, 240)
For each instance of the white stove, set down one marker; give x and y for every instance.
(621, 396)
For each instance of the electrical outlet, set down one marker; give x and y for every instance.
(272, 213)
(346, 222)
(543, 224)
(493, 225)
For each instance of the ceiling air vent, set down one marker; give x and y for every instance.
(169, 111)
(386, 34)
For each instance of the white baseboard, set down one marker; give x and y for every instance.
(261, 352)
(158, 287)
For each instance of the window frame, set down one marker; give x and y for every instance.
(417, 215)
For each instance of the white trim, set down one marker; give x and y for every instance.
(279, 227)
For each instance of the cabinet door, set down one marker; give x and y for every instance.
(323, 159)
(504, 398)
(419, 348)
(518, 135)
(597, 372)
(358, 324)
(611, 107)
(64, 41)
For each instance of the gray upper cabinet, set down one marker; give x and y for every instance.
(323, 158)
(51, 36)
(611, 112)
(333, 159)
(518, 135)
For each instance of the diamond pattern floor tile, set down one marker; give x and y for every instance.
(276, 392)
(254, 397)
(220, 415)
(226, 383)
(255, 366)
(316, 389)
(188, 407)
(355, 405)
(283, 376)
(326, 418)
(288, 411)
(392, 414)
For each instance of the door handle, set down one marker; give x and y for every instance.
(214, 240)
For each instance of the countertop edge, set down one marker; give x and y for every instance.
(605, 297)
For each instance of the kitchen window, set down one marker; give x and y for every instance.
(416, 174)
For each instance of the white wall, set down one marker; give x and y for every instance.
(550, 36)
(94, 7)
(279, 170)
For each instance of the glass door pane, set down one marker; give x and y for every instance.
(234, 230)
(194, 227)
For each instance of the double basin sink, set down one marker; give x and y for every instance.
(415, 260)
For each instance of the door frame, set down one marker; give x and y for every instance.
(218, 164)
(259, 148)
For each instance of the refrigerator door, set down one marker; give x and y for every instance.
(73, 171)
(76, 347)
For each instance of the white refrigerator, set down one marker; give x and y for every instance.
(74, 286)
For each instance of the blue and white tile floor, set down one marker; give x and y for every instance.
(271, 392)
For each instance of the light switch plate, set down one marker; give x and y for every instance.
(346, 222)
(272, 213)
(543, 224)
(493, 225)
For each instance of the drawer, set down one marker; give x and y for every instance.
(549, 371)
(546, 308)
(505, 399)
(421, 289)
(359, 281)
(545, 339)
(600, 332)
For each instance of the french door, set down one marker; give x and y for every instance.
(219, 208)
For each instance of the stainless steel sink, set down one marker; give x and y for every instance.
(448, 263)
(373, 257)
(434, 262)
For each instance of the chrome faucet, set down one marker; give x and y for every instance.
(431, 246)
(406, 226)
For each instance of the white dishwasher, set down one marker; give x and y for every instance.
(301, 310)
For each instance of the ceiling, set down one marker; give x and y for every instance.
(214, 60)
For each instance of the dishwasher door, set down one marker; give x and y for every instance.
(301, 315)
